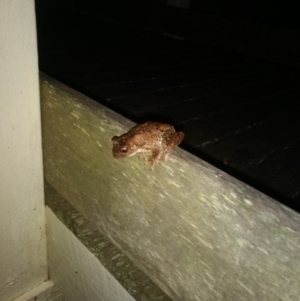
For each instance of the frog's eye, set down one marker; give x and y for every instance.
(124, 149)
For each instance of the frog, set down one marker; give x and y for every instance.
(153, 141)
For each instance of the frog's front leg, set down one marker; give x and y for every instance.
(153, 157)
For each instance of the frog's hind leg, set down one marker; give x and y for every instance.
(170, 142)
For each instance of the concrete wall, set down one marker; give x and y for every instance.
(197, 232)
(84, 264)
(46, 291)
(78, 273)
(22, 220)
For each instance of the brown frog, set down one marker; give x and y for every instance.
(152, 140)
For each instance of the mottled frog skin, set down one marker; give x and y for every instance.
(152, 140)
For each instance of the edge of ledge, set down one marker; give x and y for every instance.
(133, 280)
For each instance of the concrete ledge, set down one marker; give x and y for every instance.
(114, 276)
(198, 233)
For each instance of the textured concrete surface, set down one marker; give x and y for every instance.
(116, 264)
(76, 271)
(197, 232)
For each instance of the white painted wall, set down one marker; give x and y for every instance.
(77, 273)
(22, 215)
(46, 291)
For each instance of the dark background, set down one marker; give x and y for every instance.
(278, 13)
(224, 72)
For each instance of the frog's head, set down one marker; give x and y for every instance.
(123, 147)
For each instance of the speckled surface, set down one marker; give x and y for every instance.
(195, 231)
(136, 283)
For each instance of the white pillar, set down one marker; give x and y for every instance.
(22, 215)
